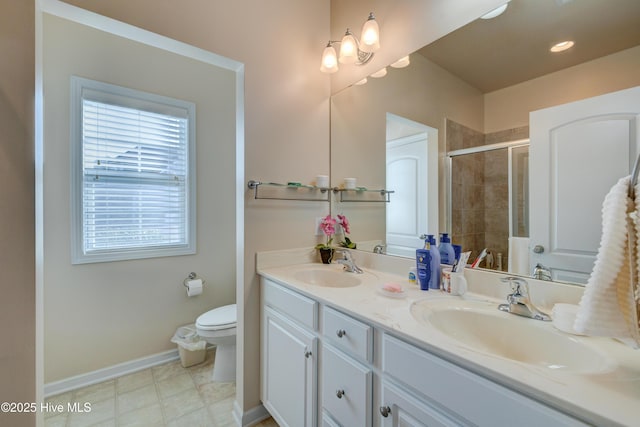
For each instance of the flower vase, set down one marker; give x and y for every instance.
(326, 254)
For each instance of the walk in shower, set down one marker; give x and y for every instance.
(488, 199)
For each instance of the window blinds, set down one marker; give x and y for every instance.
(135, 178)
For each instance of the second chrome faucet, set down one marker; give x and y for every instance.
(519, 301)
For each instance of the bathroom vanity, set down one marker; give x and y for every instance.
(337, 352)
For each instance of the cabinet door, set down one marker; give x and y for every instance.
(288, 371)
(399, 409)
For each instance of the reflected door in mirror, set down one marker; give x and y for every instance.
(578, 152)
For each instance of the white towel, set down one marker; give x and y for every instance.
(608, 306)
(519, 256)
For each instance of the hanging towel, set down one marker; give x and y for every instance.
(608, 306)
(519, 256)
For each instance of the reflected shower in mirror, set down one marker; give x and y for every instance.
(489, 198)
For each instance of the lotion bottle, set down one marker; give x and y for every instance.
(430, 243)
(423, 267)
(447, 253)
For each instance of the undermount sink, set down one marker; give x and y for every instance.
(328, 277)
(481, 327)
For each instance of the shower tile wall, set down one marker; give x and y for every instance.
(467, 189)
(480, 190)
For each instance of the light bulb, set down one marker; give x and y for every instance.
(348, 49)
(329, 60)
(370, 38)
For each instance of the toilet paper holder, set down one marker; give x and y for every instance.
(192, 276)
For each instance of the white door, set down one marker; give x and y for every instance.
(412, 173)
(577, 152)
(407, 211)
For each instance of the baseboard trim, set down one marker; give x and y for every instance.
(109, 372)
(251, 417)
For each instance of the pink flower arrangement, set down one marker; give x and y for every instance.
(328, 226)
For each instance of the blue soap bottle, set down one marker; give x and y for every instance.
(447, 253)
(430, 243)
(423, 266)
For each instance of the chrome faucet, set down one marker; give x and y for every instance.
(519, 302)
(347, 261)
(541, 272)
(378, 249)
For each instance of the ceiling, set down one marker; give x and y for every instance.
(514, 47)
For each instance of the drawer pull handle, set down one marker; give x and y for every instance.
(339, 393)
(385, 411)
(307, 354)
(341, 332)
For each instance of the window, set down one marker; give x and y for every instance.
(133, 178)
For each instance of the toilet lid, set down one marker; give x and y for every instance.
(218, 318)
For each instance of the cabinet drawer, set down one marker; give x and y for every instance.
(346, 388)
(469, 396)
(348, 333)
(295, 306)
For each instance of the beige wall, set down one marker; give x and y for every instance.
(101, 314)
(508, 108)
(17, 278)
(422, 92)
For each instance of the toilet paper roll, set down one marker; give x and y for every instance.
(194, 287)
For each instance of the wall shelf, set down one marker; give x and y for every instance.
(311, 193)
(363, 195)
(290, 191)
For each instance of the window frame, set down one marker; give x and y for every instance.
(143, 101)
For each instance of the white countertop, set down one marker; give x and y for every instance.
(609, 397)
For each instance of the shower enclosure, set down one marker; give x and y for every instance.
(489, 198)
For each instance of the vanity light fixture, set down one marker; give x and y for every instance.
(361, 82)
(562, 46)
(495, 12)
(352, 50)
(402, 62)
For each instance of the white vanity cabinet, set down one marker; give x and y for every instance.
(320, 367)
(289, 356)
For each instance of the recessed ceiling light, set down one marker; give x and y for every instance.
(495, 12)
(562, 46)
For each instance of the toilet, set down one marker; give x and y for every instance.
(218, 327)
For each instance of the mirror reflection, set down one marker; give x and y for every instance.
(471, 94)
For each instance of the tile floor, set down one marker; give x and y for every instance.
(165, 395)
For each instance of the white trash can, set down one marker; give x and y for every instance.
(191, 348)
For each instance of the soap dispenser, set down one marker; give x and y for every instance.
(447, 253)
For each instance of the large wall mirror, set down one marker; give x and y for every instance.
(449, 134)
